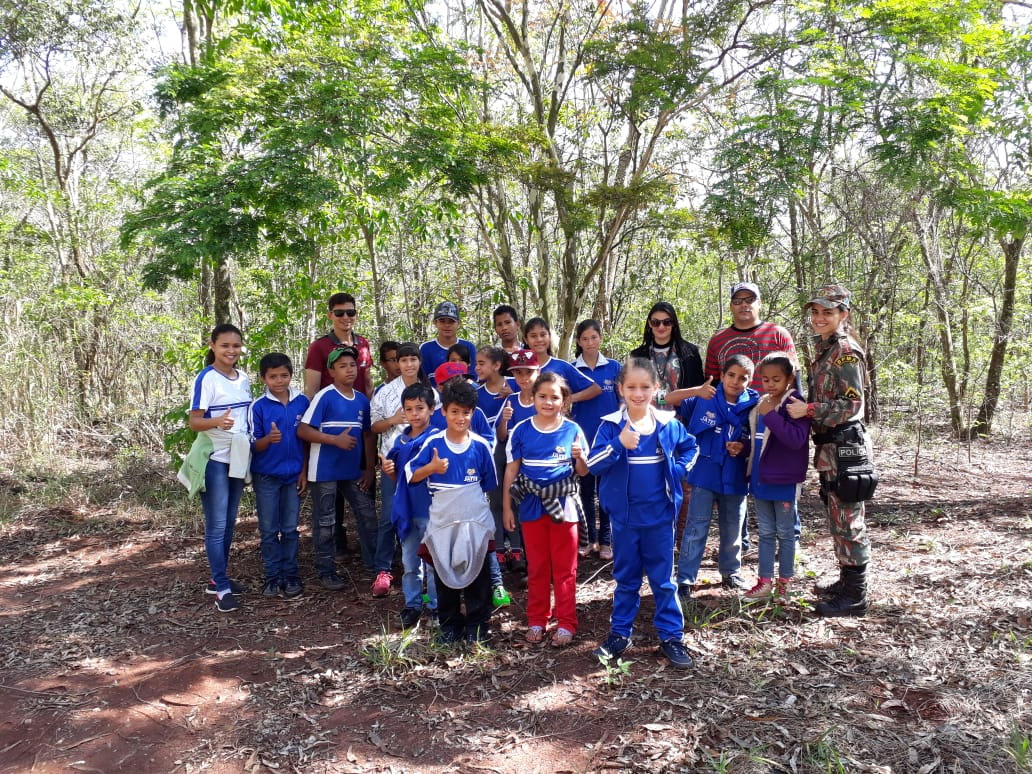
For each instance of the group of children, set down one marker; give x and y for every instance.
(442, 452)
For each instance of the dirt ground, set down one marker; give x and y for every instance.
(113, 658)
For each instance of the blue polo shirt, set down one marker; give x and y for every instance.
(545, 456)
(491, 403)
(588, 413)
(286, 458)
(478, 424)
(573, 377)
(332, 412)
(434, 354)
(520, 411)
(470, 462)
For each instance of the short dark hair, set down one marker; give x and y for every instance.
(340, 298)
(386, 347)
(496, 355)
(461, 350)
(460, 392)
(505, 309)
(419, 391)
(742, 361)
(275, 360)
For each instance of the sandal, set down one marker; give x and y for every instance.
(535, 634)
(561, 637)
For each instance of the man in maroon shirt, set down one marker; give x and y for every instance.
(748, 335)
(342, 314)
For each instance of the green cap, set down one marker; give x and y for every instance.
(338, 352)
(830, 297)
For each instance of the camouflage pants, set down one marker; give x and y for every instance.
(848, 530)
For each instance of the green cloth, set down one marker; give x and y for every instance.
(191, 474)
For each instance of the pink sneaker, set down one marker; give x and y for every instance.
(382, 584)
(784, 589)
(763, 589)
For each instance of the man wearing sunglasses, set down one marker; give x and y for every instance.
(342, 313)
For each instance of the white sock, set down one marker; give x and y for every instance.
(221, 594)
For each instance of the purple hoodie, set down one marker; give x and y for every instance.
(785, 453)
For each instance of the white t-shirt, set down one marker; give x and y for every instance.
(214, 392)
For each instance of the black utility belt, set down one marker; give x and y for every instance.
(855, 479)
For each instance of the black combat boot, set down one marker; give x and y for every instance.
(833, 588)
(852, 600)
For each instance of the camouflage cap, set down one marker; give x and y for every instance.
(830, 297)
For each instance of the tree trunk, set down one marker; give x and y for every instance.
(1004, 325)
(222, 291)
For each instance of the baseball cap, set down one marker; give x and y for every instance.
(523, 358)
(831, 296)
(450, 370)
(751, 287)
(338, 352)
(446, 309)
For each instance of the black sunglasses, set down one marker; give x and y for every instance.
(342, 312)
(661, 323)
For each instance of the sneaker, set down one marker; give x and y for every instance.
(382, 584)
(517, 562)
(432, 620)
(410, 617)
(764, 589)
(445, 639)
(234, 587)
(613, 647)
(684, 593)
(733, 582)
(784, 588)
(478, 635)
(332, 582)
(293, 588)
(273, 588)
(500, 597)
(227, 603)
(605, 553)
(676, 653)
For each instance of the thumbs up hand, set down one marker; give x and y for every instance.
(387, 465)
(438, 464)
(507, 413)
(629, 437)
(346, 440)
(225, 422)
(706, 390)
(275, 436)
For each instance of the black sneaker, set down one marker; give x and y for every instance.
(676, 653)
(332, 582)
(478, 634)
(234, 587)
(227, 603)
(613, 647)
(410, 617)
(734, 582)
(445, 638)
(273, 588)
(684, 593)
(293, 588)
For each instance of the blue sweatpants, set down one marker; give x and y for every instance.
(648, 550)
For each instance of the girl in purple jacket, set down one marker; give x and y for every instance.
(776, 467)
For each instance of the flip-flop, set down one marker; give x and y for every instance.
(561, 637)
(535, 634)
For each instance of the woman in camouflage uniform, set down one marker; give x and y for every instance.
(836, 398)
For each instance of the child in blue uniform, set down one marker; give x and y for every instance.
(640, 455)
(543, 455)
(458, 466)
(278, 473)
(777, 465)
(495, 385)
(411, 510)
(337, 427)
(218, 408)
(588, 414)
(720, 424)
(538, 335)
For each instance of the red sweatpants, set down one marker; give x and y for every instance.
(551, 561)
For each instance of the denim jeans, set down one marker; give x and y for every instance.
(776, 518)
(601, 532)
(278, 505)
(383, 554)
(730, 513)
(219, 501)
(324, 498)
(415, 569)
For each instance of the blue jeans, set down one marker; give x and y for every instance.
(219, 501)
(415, 569)
(601, 532)
(324, 509)
(776, 518)
(383, 555)
(278, 505)
(730, 513)
(649, 550)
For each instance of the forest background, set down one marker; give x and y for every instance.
(167, 166)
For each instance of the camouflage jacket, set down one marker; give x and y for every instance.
(837, 376)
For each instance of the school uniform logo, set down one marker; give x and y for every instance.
(559, 453)
(709, 418)
(471, 475)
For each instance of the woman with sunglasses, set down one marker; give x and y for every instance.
(342, 313)
(677, 361)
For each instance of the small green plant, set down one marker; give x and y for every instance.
(387, 653)
(616, 672)
(720, 764)
(822, 753)
(1019, 747)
